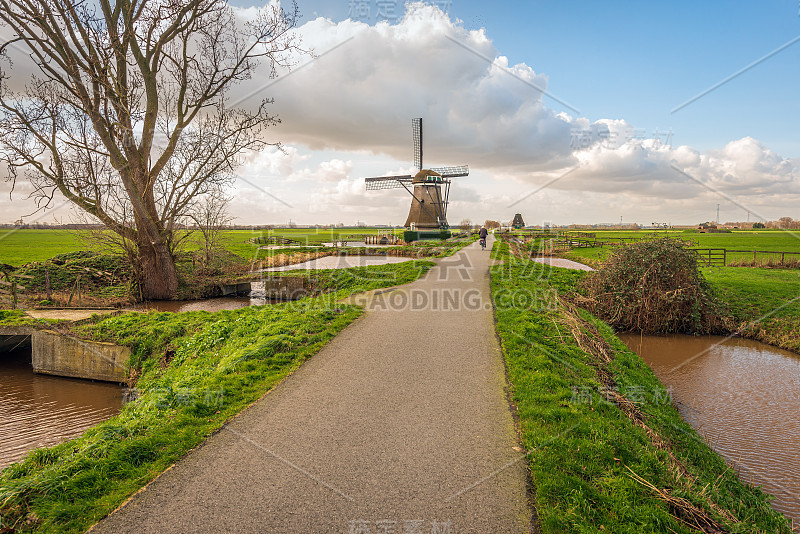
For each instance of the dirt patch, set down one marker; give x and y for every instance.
(67, 315)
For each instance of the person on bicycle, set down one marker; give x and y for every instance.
(483, 233)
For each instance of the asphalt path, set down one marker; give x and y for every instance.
(399, 425)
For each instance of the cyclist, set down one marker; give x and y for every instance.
(483, 233)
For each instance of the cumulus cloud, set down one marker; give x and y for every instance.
(648, 167)
(362, 95)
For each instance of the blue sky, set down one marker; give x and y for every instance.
(638, 60)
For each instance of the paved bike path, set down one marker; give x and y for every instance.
(400, 424)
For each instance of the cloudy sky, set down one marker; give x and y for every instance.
(565, 111)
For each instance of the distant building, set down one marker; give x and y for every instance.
(518, 223)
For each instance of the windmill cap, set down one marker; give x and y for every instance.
(422, 176)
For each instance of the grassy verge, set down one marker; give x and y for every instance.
(19, 318)
(192, 372)
(764, 304)
(337, 284)
(607, 449)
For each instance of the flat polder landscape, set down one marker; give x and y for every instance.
(384, 267)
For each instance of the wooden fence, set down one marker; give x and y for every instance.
(758, 257)
(274, 240)
(577, 241)
(747, 258)
(712, 257)
(372, 239)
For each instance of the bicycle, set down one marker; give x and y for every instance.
(483, 243)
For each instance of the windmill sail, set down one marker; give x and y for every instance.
(416, 127)
(429, 188)
(451, 172)
(387, 182)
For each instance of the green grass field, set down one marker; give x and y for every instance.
(18, 247)
(741, 240)
(763, 303)
(736, 240)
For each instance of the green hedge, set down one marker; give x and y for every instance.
(410, 236)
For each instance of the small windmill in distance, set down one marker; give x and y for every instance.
(428, 200)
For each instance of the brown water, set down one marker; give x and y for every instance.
(39, 410)
(743, 397)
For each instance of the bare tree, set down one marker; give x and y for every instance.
(210, 216)
(127, 116)
(465, 224)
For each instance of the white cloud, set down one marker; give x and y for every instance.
(362, 95)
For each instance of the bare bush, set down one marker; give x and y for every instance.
(652, 287)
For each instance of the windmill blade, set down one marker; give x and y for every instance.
(416, 129)
(451, 172)
(387, 182)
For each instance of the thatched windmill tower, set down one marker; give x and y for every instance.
(431, 187)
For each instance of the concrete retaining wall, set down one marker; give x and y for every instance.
(277, 288)
(55, 354)
(235, 289)
(285, 287)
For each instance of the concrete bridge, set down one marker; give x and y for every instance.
(276, 288)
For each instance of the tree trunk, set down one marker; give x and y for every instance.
(159, 278)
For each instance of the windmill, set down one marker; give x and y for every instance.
(431, 187)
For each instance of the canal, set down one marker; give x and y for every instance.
(743, 397)
(41, 411)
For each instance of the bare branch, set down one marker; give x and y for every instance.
(126, 116)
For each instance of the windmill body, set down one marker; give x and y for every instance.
(429, 188)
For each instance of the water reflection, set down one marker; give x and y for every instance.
(744, 397)
(40, 411)
(341, 262)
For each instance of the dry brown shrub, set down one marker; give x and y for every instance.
(652, 287)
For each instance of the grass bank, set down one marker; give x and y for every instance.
(192, 372)
(762, 304)
(607, 449)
